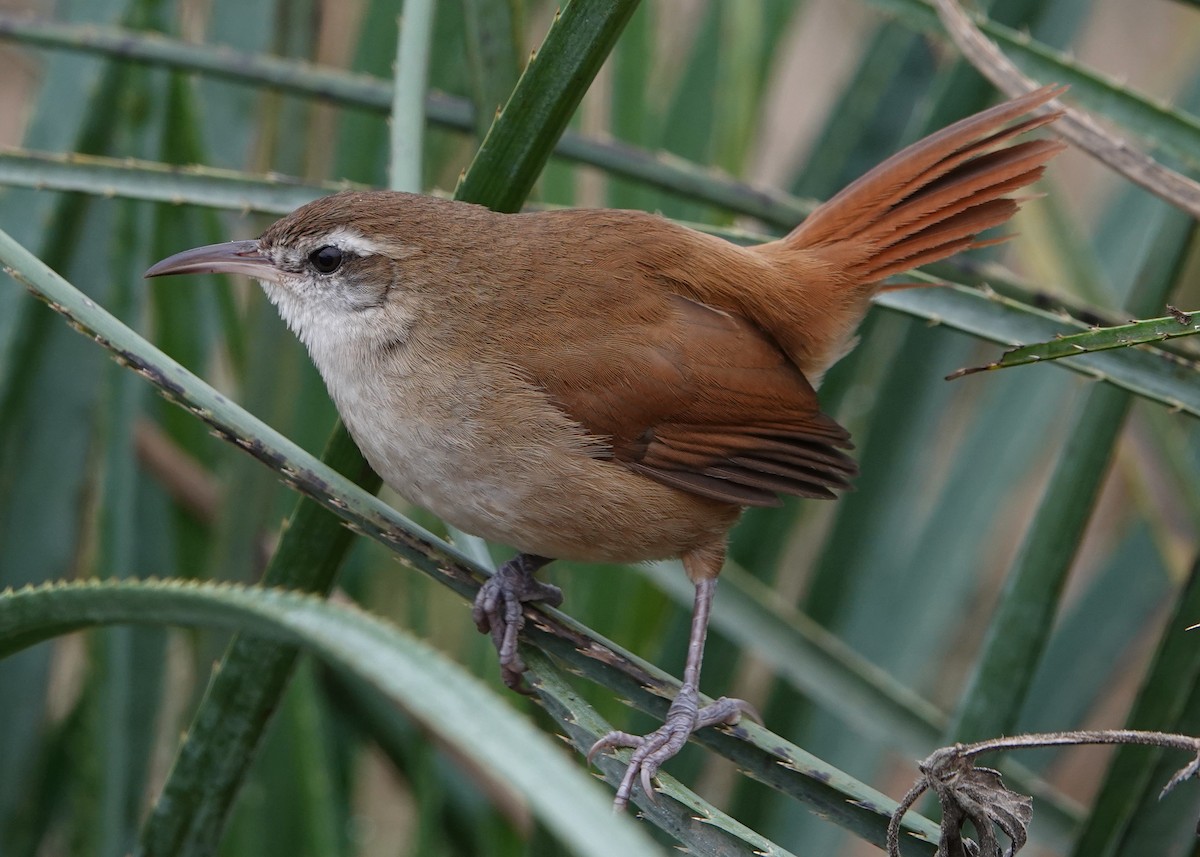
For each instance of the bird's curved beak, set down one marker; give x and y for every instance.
(232, 257)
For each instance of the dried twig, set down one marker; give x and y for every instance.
(967, 793)
(1078, 127)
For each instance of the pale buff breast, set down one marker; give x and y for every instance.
(500, 461)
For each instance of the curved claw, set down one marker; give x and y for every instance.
(499, 609)
(651, 751)
(647, 785)
(612, 741)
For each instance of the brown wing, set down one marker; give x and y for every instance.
(701, 400)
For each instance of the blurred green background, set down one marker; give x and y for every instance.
(1018, 554)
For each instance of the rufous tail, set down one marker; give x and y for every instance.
(930, 200)
(925, 203)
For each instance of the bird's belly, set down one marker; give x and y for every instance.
(529, 482)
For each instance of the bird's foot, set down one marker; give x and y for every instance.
(499, 609)
(650, 751)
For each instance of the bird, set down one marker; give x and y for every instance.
(609, 386)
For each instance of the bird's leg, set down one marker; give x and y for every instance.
(684, 716)
(499, 608)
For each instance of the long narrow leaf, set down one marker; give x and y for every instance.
(450, 703)
(1146, 372)
(1100, 339)
(157, 182)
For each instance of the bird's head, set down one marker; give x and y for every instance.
(336, 268)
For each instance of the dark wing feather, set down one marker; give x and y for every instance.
(701, 400)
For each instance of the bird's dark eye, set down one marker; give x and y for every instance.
(325, 260)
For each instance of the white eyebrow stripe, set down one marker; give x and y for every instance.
(354, 242)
